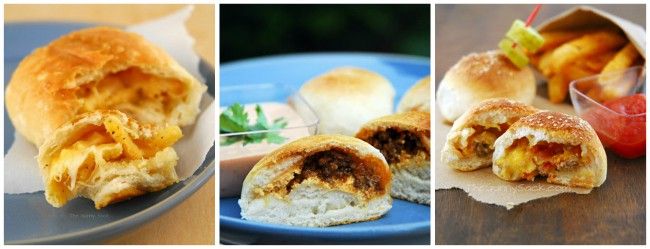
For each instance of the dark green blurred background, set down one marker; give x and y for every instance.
(259, 30)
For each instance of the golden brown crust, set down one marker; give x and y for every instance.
(502, 105)
(304, 147)
(414, 121)
(41, 94)
(490, 71)
(565, 127)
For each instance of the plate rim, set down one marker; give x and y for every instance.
(146, 215)
(356, 233)
(333, 232)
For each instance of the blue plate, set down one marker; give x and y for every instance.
(29, 219)
(405, 223)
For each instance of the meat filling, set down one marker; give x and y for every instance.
(335, 166)
(481, 142)
(554, 156)
(397, 145)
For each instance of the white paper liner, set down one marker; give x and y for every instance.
(21, 170)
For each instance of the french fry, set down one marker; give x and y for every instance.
(577, 71)
(587, 45)
(597, 62)
(623, 59)
(554, 39)
(557, 88)
(545, 62)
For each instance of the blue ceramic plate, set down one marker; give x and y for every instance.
(405, 223)
(29, 219)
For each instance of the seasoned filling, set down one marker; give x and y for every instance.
(481, 141)
(76, 164)
(554, 156)
(397, 145)
(336, 166)
(543, 158)
(132, 91)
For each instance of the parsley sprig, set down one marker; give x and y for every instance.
(235, 119)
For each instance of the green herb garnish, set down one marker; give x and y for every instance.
(235, 119)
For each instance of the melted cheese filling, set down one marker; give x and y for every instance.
(149, 98)
(522, 161)
(76, 165)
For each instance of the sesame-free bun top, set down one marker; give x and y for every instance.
(345, 98)
(477, 77)
(99, 68)
(417, 98)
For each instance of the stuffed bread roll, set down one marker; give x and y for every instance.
(318, 181)
(107, 157)
(404, 140)
(564, 149)
(96, 69)
(417, 98)
(470, 142)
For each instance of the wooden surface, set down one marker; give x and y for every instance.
(611, 214)
(192, 221)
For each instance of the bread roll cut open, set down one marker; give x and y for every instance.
(318, 181)
(562, 148)
(99, 68)
(404, 140)
(470, 142)
(107, 157)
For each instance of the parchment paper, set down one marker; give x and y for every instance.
(21, 170)
(483, 185)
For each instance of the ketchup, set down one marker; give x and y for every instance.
(623, 128)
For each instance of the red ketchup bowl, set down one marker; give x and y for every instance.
(611, 104)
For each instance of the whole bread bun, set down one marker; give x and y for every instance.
(94, 69)
(346, 98)
(417, 98)
(477, 77)
(563, 148)
(108, 157)
(318, 181)
(405, 141)
(470, 143)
